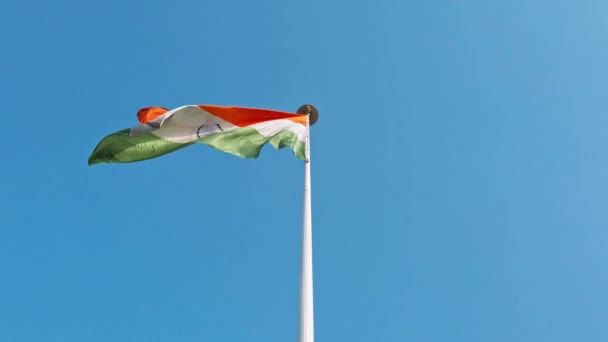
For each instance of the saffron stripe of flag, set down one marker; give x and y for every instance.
(236, 130)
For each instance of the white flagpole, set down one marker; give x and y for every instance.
(307, 331)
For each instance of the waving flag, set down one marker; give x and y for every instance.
(236, 130)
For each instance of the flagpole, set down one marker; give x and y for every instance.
(306, 284)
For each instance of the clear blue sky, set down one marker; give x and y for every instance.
(460, 171)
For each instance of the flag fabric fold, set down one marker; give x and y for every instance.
(236, 130)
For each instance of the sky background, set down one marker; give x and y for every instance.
(459, 171)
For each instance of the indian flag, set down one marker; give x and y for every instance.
(236, 130)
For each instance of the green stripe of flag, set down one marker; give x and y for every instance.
(120, 147)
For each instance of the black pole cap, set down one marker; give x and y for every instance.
(312, 112)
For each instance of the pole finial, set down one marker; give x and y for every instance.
(311, 111)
